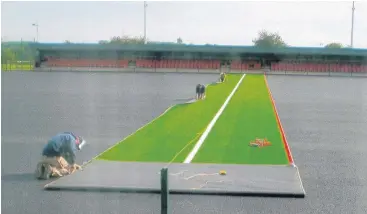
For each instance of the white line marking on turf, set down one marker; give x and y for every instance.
(211, 124)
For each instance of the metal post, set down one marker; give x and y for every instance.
(164, 191)
(145, 22)
(155, 63)
(36, 25)
(352, 31)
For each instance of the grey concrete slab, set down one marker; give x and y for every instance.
(241, 180)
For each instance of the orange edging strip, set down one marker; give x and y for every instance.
(287, 149)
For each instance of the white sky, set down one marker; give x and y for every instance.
(227, 23)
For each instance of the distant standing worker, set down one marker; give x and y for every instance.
(198, 91)
(222, 77)
(202, 92)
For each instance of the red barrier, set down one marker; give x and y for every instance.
(313, 67)
(122, 63)
(208, 64)
(236, 65)
(285, 142)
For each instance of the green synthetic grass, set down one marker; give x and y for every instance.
(162, 139)
(248, 115)
(15, 67)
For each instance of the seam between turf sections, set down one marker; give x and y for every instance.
(288, 151)
(200, 142)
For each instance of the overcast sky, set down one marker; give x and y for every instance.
(226, 23)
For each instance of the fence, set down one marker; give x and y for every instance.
(319, 68)
(139, 65)
(206, 66)
(16, 55)
(17, 66)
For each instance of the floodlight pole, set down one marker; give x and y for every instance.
(352, 31)
(145, 22)
(36, 25)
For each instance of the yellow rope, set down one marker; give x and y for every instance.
(189, 143)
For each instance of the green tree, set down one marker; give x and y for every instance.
(17, 51)
(334, 45)
(103, 42)
(126, 40)
(269, 40)
(179, 40)
(7, 54)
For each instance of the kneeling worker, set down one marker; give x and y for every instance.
(59, 156)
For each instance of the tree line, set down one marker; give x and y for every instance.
(16, 51)
(20, 51)
(264, 39)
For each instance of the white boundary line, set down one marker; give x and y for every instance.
(211, 124)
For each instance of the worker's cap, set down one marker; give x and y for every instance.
(80, 141)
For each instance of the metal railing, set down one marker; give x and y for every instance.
(17, 66)
(201, 66)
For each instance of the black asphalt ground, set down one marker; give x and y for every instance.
(325, 119)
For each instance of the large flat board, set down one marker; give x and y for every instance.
(251, 180)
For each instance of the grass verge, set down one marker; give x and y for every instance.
(249, 115)
(16, 67)
(166, 136)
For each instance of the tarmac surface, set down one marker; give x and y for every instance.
(325, 119)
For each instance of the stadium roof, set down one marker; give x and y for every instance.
(200, 48)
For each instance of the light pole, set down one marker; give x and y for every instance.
(352, 31)
(145, 22)
(36, 25)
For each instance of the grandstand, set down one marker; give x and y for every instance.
(201, 57)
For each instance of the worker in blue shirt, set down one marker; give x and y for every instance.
(59, 152)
